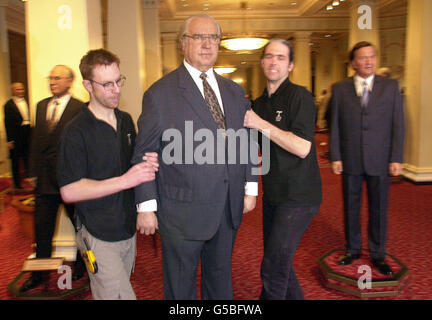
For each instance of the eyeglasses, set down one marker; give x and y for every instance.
(213, 38)
(108, 86)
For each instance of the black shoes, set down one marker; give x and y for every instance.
(36, 279)
(382, 267)
(347, 259)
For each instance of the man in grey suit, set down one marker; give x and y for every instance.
(366, 143)
(199, 204)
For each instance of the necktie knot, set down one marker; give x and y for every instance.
(203, 76)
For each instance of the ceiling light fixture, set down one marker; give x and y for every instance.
(244, 43)
(335, 3)
(224, 70)
(329, 7)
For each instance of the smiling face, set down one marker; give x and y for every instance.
(276, 63)
(364, 62)
(202, 55)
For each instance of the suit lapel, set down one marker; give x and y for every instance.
(194, 97)
(376, 89)
(353, 93)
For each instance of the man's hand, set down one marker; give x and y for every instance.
(139, 173)
(11, 145)
(152, 159)
(252, 120)
(395, 169)
(337, 167)
(249, 203)
(147, 223)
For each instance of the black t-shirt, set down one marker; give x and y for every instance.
(91, 148)
(291, 179)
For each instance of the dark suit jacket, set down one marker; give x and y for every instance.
(367, 139)
(44, 146)
(14, 132)
(191, 197)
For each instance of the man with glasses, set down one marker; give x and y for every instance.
(52, 115)
(95, 172)
(199, 206)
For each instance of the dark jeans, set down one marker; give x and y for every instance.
(283, 228)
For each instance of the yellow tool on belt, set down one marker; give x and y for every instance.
(90, 259)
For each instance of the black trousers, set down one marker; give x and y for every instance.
(283, 228)
(21, 151)
(181, 258)
(377, 190)
(45, 215)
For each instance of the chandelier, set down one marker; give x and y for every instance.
(244, 43)
(224, 70)
(237, 44)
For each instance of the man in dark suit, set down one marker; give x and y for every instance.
(52, 115)
(366, 143)
(199, 204)
(17, 124)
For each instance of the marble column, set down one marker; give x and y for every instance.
(4, 85)
(364, 20)
(152, 39)
(126, 18)
(60, 32)
(170, 56)
(302, 73)
(418, 95)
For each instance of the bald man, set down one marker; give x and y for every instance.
(52, 115)
(17, 124)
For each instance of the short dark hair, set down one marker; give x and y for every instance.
(95, 58)
(283, 41)
(358, 46)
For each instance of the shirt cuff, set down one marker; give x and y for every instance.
(251, 188)
(147, 206)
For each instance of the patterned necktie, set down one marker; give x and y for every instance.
(212, 103)
(53, 119)
(365, 95)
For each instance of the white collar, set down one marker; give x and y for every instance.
(195, 73)
(358, 83)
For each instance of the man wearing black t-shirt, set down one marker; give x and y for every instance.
(94, 171)
(286, 115)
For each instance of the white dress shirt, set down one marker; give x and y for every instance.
(358, 83)
(62, 103)
(23, 109)
(251, 188)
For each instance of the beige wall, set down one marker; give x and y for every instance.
(59, 35)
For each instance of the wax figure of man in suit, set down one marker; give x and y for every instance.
(17, 124)
(285, 114)
(366, 143)
(199, 206)
(52, 115)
